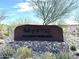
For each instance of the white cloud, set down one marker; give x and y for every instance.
(28, 0)
(71, 21)
(24, 6)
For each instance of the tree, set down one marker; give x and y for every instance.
(52, 10)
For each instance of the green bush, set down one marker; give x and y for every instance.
(24, 52)
(63, 56)
(6, 34)
(7, 51)
(48, 55)
(73, 48)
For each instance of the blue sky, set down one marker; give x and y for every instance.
(16, 9)
(8, 3)
(21, 8)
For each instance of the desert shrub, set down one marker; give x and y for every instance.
(24, 52)
(8, 51)
(63, 56)
(6, 34)
(73, 48)
(48, 55)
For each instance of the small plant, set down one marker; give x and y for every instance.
(1, 35)
(73, 48)
(48, 55)
(6, 34)
(24, 52)
(7, 51)
(63, 56)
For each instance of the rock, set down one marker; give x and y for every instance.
(77, 53)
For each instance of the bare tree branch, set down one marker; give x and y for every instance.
(53, 10)
(2, 16)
